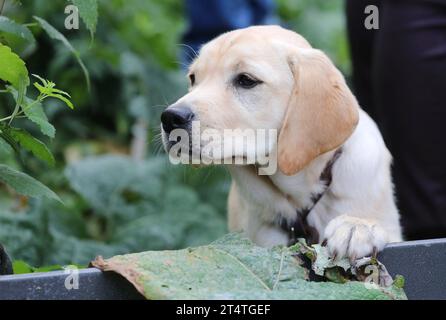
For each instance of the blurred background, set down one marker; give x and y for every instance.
(120, 193)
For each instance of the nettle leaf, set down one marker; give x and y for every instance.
(38, 116)
(35, 146)
(53, 33)
(88, 10)
(13, 69)
(11, 27)
(233, 268)
(24, 184)
(34, 112)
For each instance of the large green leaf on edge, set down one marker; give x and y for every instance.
(13, 69)
(88, 10)
(53, 33)
(232, 268)
(24, 184)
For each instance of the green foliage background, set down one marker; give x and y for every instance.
(113, 204)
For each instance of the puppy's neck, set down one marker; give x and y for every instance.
(296, 189)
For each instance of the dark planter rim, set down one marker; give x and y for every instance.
(421, 262)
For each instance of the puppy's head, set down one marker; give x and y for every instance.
(266, 77)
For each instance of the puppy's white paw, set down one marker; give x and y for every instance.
(347, 236)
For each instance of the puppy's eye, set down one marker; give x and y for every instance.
(246, 81)
(192, 79)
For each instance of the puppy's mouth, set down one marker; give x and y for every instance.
(207, 152)
(169, 144)
(181, 149)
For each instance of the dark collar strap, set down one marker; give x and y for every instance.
(300, 228)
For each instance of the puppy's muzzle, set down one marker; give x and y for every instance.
(177, 117)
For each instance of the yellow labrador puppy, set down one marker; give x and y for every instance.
(333, 183)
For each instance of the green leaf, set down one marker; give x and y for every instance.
(232, 268)
(24, 184)
(13, 69)
(88, 10)
(45, 82)
(33, 110)
(11, 27)
(38, 116)
(64, 99)
(48, 89)
(21, 93)
(28, 142)
(61, 92)
(53, 33)
(54, 267)
(4, 134)
(5, 147)
(399, 281)
(21, 267)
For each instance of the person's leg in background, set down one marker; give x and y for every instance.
(361, 48)
(409, 103)
(210, 18)
(410, 86)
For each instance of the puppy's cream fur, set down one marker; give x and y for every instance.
(306, 99)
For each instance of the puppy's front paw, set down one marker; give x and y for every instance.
(347, 236)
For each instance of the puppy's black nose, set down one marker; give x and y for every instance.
(176, 118)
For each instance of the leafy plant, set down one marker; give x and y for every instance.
(14, 72)
(144, 204)
(14, 79)
(128, 206)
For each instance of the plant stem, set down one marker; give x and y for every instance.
(4, 119)
(18, 114)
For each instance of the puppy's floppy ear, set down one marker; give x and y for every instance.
(322, 112)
